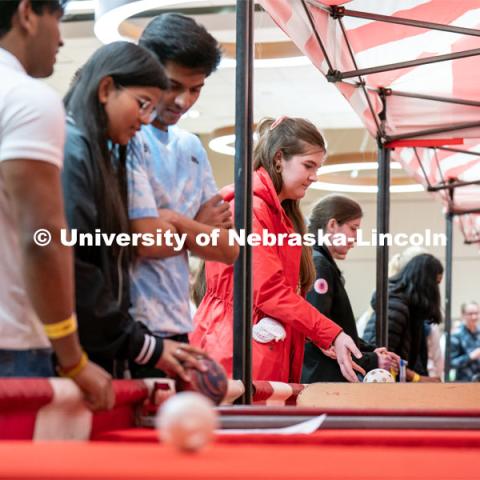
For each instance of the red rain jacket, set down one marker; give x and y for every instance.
(275, 281)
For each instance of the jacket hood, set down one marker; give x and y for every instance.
(262, 188)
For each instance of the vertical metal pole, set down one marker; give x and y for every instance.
(383, 226)
(242, 292)
(448, 292)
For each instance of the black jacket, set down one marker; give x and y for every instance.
(108, 333)
(330, 298)
(406, 335)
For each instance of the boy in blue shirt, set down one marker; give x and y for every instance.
(171, 182)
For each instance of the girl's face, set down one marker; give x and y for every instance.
(346, 233)
(127, 109)
(300, 172)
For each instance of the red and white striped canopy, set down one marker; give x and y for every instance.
(430, 112)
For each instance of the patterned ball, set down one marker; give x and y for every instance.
(213, 383)
(378, 375)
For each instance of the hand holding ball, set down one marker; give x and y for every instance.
(212, 383)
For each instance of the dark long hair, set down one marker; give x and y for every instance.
(291, 136)
(129, 66)
(418, 281)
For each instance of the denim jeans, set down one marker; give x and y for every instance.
(26, 363)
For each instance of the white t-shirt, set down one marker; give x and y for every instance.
(32, 126)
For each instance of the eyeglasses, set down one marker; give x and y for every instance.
(146, 107)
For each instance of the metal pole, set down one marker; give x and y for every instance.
(242, 291)
(412, 23)
(448, 290)
(433, 131)
(454, 184)
(317, 36)
(407, 64)
(422, 96)
(383, 215)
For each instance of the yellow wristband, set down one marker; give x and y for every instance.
(61, 329)
(416, 378)
(74, 371)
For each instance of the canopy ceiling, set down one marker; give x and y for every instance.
(411, 71)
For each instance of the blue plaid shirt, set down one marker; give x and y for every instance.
(463, 342)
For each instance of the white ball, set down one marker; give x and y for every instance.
(378, 375)
(186, 421)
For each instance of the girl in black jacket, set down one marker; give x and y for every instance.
(113, 94)
(340, 217)
(413, 298)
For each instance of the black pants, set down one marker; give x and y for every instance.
(141, 371)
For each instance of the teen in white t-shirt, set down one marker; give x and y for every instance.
(36, 283)
(32, 126)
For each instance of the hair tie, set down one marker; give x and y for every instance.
(277, 122)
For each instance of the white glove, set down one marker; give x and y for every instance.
(268, 330)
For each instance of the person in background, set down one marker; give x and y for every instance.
(431, 358)
(465, 345)
(37, 311)
(287, 156)
(340, 217)
(114, 93)
(413, 298)
(395, 265)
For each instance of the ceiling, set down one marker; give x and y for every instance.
(299, 90)
(293, 91)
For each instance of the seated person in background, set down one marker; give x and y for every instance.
(287, 155)
(340, 217)
(171, 181)
(114, 93)
(36, 294)
(465, 345)
(413, 297)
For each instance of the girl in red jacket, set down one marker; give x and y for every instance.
(287, 156)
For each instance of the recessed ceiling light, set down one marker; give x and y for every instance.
(340, 187)
(106, 26)
(270, 62)
(77, 6)
(107, 30)
(223, 144)
(348, 188)
(348, 167)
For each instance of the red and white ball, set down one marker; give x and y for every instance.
(378, 375)
(187, 421)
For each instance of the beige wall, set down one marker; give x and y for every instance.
(411, 214)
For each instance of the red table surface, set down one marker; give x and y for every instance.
(251, 457)
(374, 438)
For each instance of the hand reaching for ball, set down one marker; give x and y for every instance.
(176, 356)
(387, 360)
(344, 348)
